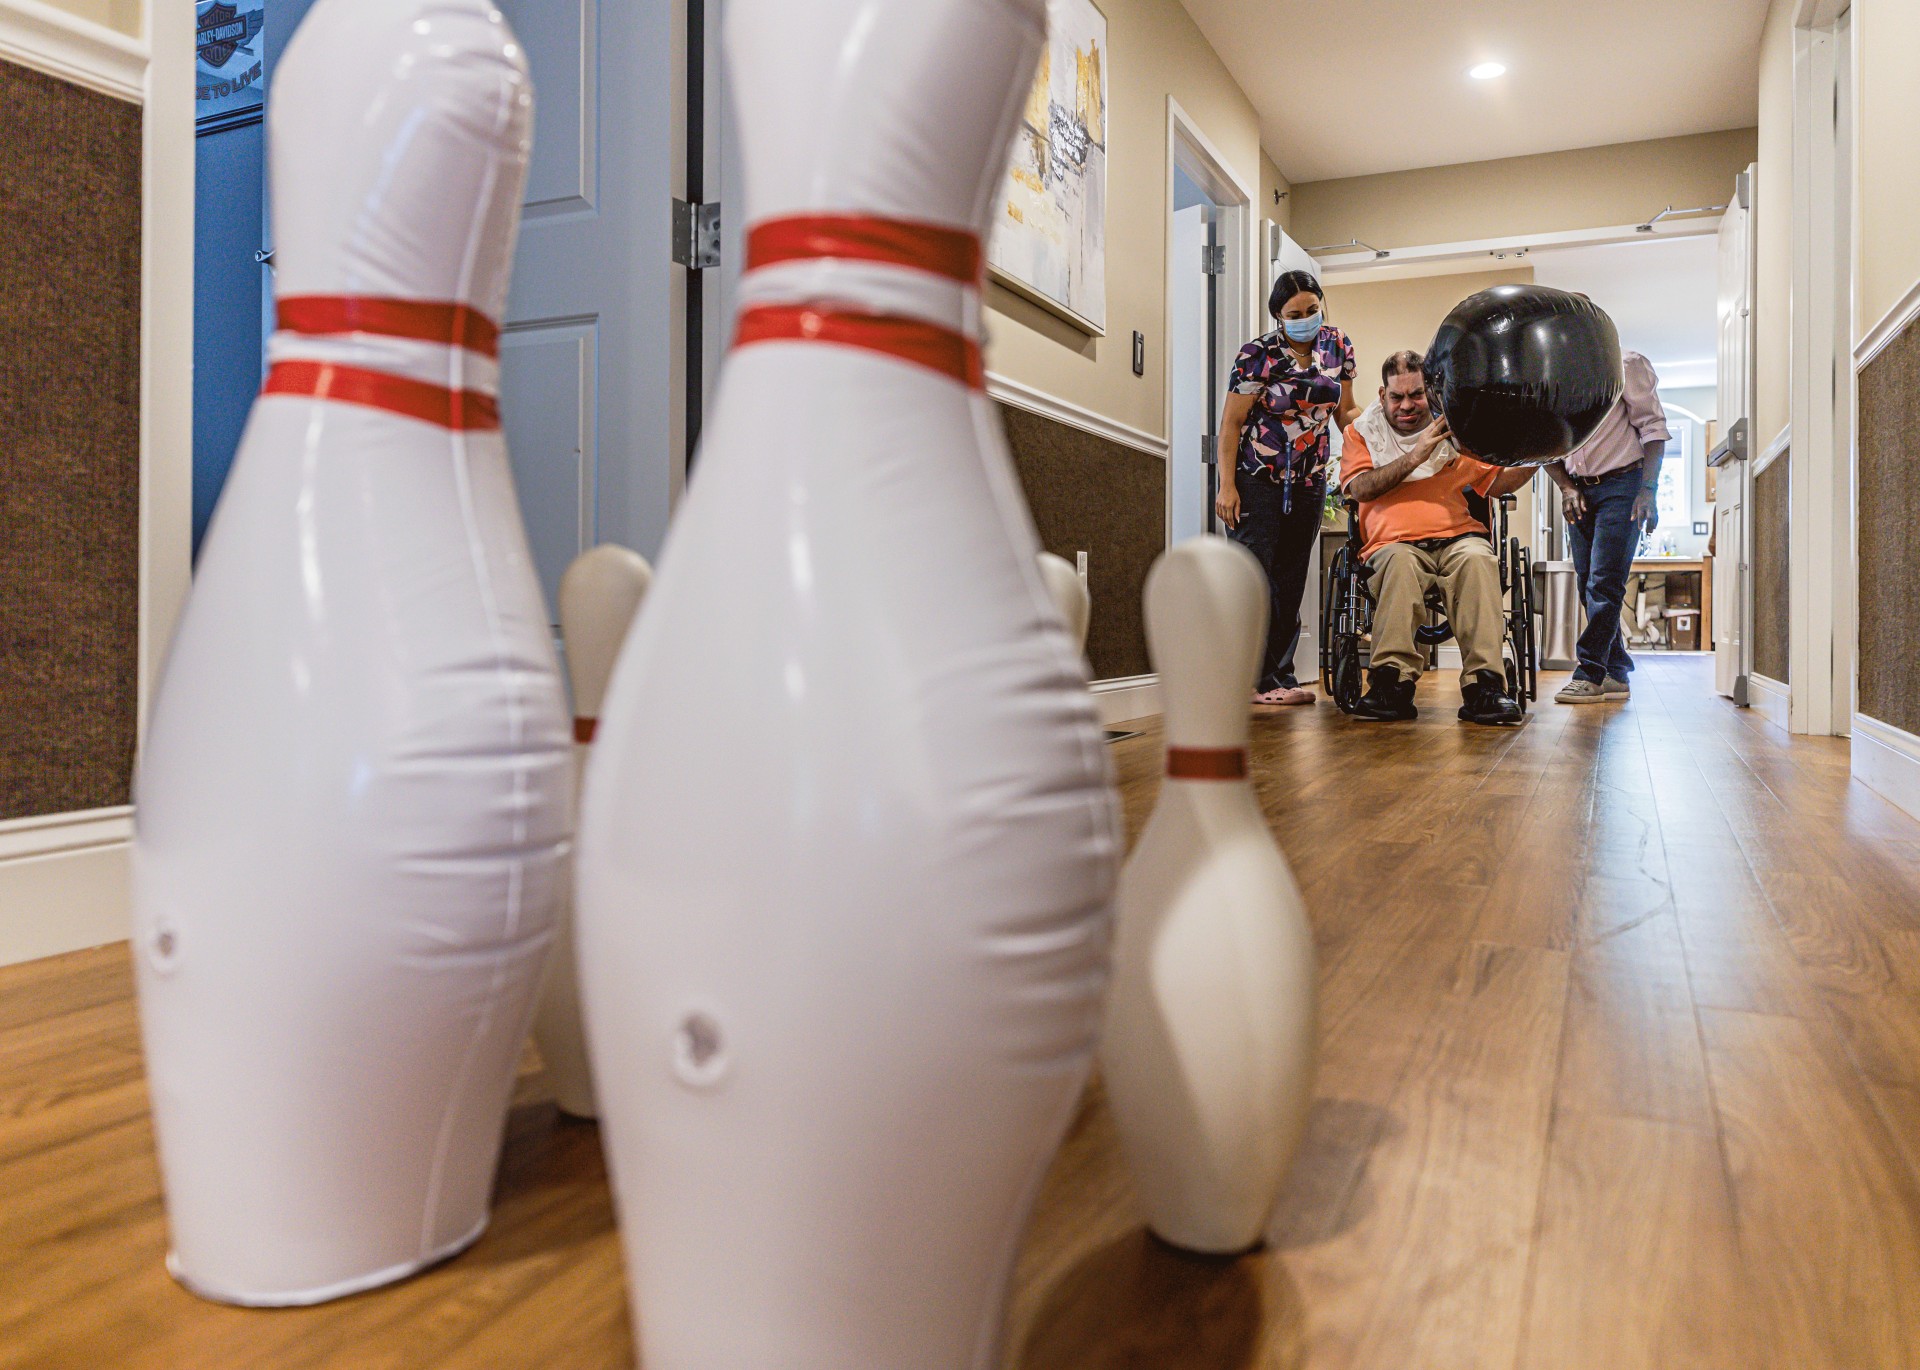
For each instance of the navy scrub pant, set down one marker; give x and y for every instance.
(1280, 526)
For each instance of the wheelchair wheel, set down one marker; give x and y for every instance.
(1329, 617)
(1530, 657)
(1344, 685)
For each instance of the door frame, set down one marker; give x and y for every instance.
(1822, 593)
(1192, 151)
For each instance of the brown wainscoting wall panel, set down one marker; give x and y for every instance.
(1771, 491)
(69, 444)
(1889, 549)
(1089, 494)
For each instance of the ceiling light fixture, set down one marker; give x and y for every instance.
(1486, 71)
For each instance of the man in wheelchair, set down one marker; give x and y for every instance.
(1422, 546)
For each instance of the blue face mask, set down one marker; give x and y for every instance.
(1302, 330)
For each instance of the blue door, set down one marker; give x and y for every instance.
(240, 43)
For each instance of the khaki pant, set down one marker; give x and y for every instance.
(1468, 574)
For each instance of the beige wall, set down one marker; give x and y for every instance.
(1772, 229)
(1550, 193)
(123, 15)
(1887, 34)
(1156, 51)
(1383, 317)
(1271, 181)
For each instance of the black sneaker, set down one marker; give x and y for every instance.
(1388, 699)
(1487, 701)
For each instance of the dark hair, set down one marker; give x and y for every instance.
(1405, 362)
(1292, 283)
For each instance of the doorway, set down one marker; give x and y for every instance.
(1193, 340)
(1210, 277)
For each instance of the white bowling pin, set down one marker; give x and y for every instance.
(848, 838)
(1069, 594)
(353, 803)
(599, 596)
(1210, 1043)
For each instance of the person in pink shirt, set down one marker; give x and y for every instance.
(1607, 489)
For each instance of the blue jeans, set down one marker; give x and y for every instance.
(1603, 546)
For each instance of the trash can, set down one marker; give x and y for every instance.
(1557, 592)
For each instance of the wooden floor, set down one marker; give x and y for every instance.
(1621, 1068)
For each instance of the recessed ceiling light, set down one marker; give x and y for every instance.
(1486, 71)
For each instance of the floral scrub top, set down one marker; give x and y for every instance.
(1286, 436)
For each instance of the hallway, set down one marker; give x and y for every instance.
(1621, 1068)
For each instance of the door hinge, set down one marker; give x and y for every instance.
(696, 235)
(1209, 449)
(1213, 260)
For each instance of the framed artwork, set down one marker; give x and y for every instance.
(227, 42)
(1049, 242)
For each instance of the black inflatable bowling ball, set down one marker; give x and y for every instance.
(1523, 373)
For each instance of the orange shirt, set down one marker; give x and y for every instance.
(1415, 510)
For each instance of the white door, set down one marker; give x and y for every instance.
(1732, 591)
(1192, 402)
(587, 369)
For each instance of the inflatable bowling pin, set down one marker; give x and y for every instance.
(1069, 595)
(354, 796)
(1210, 1043)
(599, 596)
(849, 839)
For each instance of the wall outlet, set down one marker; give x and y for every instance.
(1080, 565)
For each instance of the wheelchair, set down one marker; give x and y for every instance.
(1346, 612)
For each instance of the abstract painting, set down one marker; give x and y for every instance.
(1050, 237)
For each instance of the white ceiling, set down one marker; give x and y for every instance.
(1661, 293)
(1361, 86)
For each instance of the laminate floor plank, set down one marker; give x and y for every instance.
(1828, 1211)
(1639, 1264)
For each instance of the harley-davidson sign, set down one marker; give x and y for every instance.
(228, 38)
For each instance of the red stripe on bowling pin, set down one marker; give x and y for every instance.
(460, 410)
(950, 252)
(457, 325)
(1207, 763)
(910, 340)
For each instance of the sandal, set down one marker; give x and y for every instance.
(1285, 696)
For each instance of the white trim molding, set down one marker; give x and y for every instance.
(1774, 450)
(24, 837)
(1129, 697)
(1022, 396)
(1892, 324)
(1772, 700)
(63, 883)
(55, 43)
(1887, 761)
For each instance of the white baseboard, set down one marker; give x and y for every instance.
(63, 883)
(1887, 761)
(1772, 700)
(1132, 697)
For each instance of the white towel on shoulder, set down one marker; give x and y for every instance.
(1386, 444)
